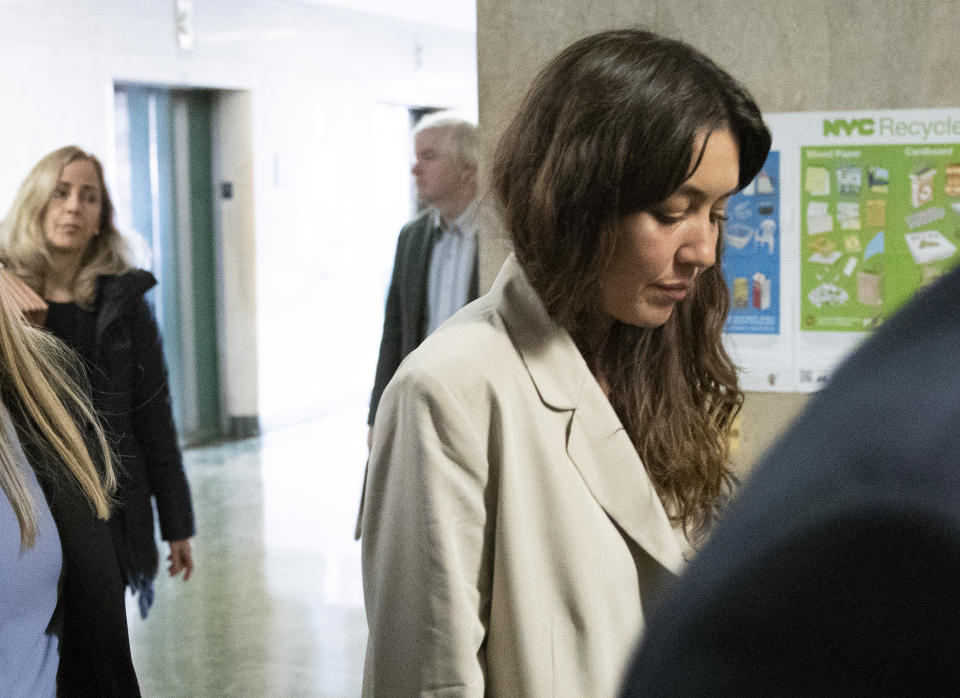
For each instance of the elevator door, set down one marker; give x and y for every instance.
(165, 205)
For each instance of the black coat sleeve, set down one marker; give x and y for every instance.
(94, 645)
(152, 421)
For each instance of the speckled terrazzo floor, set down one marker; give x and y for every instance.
(275, 605)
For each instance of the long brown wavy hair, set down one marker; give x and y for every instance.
(23, 245)
(609, 128)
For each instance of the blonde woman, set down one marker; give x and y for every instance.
(63, 626)
(59, 237)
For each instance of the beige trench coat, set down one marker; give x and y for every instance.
(512, 541)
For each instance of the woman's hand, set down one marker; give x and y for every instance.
(181, 558)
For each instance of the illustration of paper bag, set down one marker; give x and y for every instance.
(868, 288)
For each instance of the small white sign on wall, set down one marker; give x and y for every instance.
(184, 13)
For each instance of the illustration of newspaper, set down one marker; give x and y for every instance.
(818, 181)
(929, 246)
(849, 180)
(819, 219)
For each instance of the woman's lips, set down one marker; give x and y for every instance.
(676, 292)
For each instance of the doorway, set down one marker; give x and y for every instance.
(165, 206)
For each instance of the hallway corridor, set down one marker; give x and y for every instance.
(275, 604)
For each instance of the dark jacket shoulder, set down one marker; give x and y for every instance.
(414, 243)
(118, 293)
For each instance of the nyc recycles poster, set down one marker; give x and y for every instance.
(860, 211)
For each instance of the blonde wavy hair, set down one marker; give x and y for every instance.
(47, 406)
(23, 243)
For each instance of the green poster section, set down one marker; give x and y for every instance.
(878, 222)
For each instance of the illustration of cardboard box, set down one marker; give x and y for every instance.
(952, 185)
(929, 246)
(924, 217)
(868, 288)
(921, 186)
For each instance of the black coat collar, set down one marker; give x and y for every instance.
(116, 292)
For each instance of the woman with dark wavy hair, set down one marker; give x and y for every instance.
(542, 463)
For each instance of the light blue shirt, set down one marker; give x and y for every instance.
(29, 653)
(452, 264)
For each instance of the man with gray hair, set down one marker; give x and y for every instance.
(435, 267)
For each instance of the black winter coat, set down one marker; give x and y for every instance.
(95, 655)
(132, 398)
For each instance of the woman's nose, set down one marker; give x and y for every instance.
(700, 248)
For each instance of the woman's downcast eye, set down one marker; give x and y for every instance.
(667, 218)
(673, 218)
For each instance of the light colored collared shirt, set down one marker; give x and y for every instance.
(452, 262)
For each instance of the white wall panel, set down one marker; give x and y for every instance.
(330, 180)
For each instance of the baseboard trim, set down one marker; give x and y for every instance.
(244, 427)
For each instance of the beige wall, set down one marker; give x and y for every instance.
(801, 55)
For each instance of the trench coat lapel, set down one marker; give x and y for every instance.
(597, 443)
